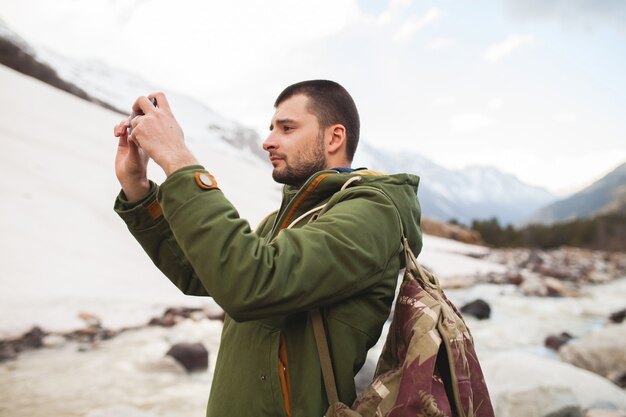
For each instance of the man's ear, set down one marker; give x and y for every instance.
(337, 140)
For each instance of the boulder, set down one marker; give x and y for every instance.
(539, 286)
(7, 351)
(555, 341)
(166, 364)
(602, 352)
(552, 401)
(192, 356)
(618, 316)
(477, 308)
(512, 375)
(33, 339)
(598, 412)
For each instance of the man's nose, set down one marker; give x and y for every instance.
(269, 143)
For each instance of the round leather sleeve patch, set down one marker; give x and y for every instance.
(205, 180)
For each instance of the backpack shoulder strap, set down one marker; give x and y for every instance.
(324, 354)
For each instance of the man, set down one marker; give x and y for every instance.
(333, 245)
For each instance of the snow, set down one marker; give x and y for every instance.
(63, 248)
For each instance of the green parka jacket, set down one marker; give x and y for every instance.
(346, 262)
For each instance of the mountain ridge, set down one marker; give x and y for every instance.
(606, 195)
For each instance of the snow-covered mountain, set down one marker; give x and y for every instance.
(470, 193)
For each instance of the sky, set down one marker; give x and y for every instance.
(534, 88)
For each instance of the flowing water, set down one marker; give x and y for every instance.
(128, 375)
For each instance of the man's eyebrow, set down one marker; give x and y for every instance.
(281, 122)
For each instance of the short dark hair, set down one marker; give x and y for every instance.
(331, 104)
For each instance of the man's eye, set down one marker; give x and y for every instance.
(287, 128)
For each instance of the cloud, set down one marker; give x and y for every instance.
(497, 52)
(566, 117)
(467, 122)
(445, 101)
(585, 13)
(496, 103)
(440, 43)
(414, 23)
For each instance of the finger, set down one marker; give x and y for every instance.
(132, 138)
(133, 122)
(143, 106)
(123, 142)
(133, 148)
(162, 102)
(120, 128)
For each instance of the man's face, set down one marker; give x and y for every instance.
(295, 143)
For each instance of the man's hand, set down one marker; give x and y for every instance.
(158, 134)
(131, 164)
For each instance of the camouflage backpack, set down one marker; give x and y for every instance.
(428, 366)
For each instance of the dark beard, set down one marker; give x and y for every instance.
(297, 176)
(311, 162)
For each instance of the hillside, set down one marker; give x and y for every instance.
(605, 196)
(63, 248)
(15, 53)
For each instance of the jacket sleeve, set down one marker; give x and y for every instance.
(344, 252)
(146, 223)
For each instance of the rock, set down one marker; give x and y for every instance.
(596, 412)
(90, 320)
(533, 285)
(556, 288)
(510, 372)
(477, 308)
(602, 351)
(165, 364)
(571, 265)
(216, 315)
(457, 281)
(192, 356)
(603, 405)
(604, 409)
(167, 321)
(514, 277)
(555, 342)
(618, 316)
(7, 351)
(33, 339)
(450, 231)
(175, 315)
(538, 286)
(555, 271)
(552, 401)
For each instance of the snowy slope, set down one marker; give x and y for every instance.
(63, 248)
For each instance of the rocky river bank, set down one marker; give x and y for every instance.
(138, 371)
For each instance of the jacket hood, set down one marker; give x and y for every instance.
(400, 188)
